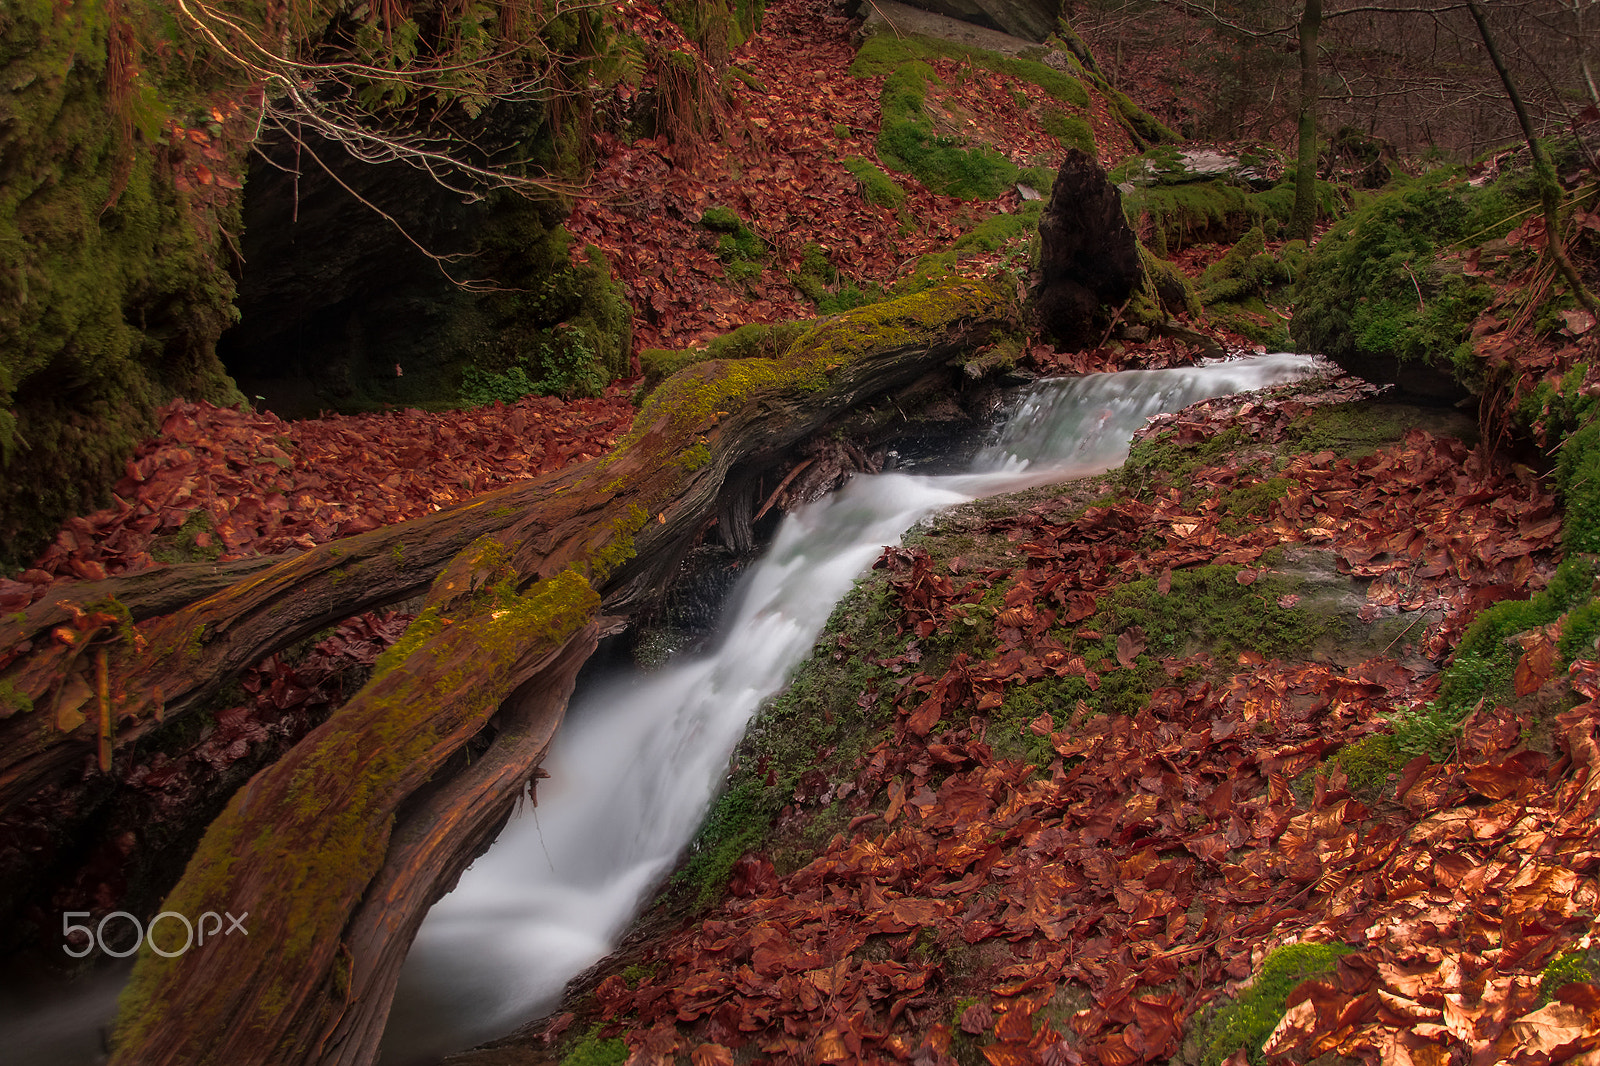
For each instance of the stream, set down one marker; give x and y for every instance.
(641, 754)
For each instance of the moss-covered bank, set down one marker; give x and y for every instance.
(113, 287)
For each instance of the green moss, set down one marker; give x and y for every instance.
(593, 1051)
(1206, 609)
(1369, 762)
(884, 54)
(943, 163)
(1245, 271)
(637, 973)
(1246, 505)
(618, 548)
(694, 395)
(1249, 1020)
(739, 822)
(1163, 291)
(112, 294)
(328, 840)
(1485, 661)
(1161, 462)
(1349, 430)
(1378, 284)
(696, 457)
(1144, 127)
(1568, 968)
(13, 700)
(1070, 130)
(1578, 482)
(818, 279)
(182, 545)
(740, 248)
(1255, 320)
(423, 628)
(996, 231)
(876, 186)
(561, 325)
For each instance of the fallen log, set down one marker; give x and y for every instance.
(337, 850)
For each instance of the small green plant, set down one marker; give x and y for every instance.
(480, 387)
(1249, 1020)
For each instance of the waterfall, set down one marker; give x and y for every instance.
(640, 757)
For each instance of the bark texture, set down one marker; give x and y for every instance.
(1303, 216)
(337, 850)
(1089, 257)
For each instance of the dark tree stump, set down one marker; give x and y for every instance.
(1089, 257)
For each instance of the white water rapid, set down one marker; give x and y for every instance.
(639, 758)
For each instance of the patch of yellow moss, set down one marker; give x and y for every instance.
(697, 394)
(329, 841)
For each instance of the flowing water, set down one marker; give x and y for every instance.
(639, 758)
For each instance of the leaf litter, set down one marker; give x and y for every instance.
(1087, 907)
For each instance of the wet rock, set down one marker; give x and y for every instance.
(1033, 20)
(1413, 380)
(1259, 169)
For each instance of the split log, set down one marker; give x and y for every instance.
(338, 849)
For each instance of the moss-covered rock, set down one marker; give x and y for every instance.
(1382, 295)
(113, 290)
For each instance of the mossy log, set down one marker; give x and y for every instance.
(337, 850)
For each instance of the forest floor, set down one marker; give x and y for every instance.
(992, 863)
(1104, 746)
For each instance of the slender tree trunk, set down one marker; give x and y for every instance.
(1580, 37)
(1303, 218)
(1544, 173)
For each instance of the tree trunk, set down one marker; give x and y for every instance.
(337, 850)
(1303, 217)
(1544, 173)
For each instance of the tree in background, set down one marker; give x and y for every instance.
(1303, 218)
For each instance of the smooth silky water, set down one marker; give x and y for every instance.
(640, 757)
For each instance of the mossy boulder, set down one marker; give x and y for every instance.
(1384, 293)
(113, 286)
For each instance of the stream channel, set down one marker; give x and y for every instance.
(641, 754)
